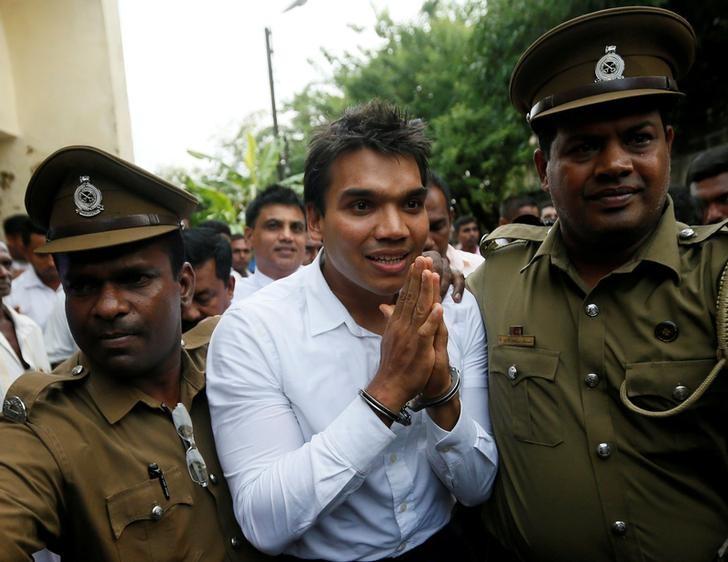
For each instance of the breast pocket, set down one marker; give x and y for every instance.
(149, 527)
(526, 378)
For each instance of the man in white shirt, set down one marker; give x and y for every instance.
(308, 382)
(242, 252)
(13, 227)
(275, 227)
(440, 214)
(21, 342)
(34, 290)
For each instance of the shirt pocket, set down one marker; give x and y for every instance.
(526, 377)
(149, 527)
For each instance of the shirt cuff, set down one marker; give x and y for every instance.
(458, 441)
(358, 435)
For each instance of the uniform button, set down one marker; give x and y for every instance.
(592, 310)
(401, 547)
(666, 331)
(182, 342)
(403, 507)
(157, 512)
(604, 450)
(686, 233)
(213, 479)
(591, 380)
(512, 372)
(77, 370)
(392, 458)
(619, 528)
(680, 393)
(236, 543)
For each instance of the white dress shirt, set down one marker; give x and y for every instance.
(312, 470)
(30, 340)
(466, 262)
(32, 297)
(246, 286)
(59, 342)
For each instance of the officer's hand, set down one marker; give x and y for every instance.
(448, 275)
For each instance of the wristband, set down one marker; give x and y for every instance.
(419, 403)
(403, 417)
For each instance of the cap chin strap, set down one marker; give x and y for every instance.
(117, 223)
(605, 87)
(721, 325)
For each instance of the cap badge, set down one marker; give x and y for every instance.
(610, 66)
(87, 198)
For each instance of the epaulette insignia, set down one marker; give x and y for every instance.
(511, 233)
(697, 234)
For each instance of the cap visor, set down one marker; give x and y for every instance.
(103, 239)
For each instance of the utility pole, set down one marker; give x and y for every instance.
(269, 52)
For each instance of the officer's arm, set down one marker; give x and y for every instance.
(30, 493)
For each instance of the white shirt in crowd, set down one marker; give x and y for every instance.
(30, 340)
(466, 262)
(32, 297)
(246, 286)
(59, 342)
(313, 471)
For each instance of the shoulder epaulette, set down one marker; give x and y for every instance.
(510, 233)
(200, 335)
(26, 389)
(687, 235)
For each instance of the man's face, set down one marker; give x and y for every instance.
(712, 195)
(16, 246)
(375, 223)
(212, 295)
(278, 239)
(241, 255)
(608, 179)
(548, 215)
(313, 245)
(123, 308)
(438, 213)
(469, 236)
(43, 264)
(6, 265)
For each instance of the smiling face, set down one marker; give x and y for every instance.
(608, 179)
(278, 238)
(123, 308)
(374, 225)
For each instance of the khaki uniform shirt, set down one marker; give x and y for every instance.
(74, 475)
(582, 477)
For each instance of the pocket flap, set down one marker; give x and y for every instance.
(520, 363)
(662, 378)
(136, 503)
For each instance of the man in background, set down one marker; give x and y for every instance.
(517, 206)
(708, 182)
(276, 231)
(242, 252)
(548, 213)
(210, 256)
(14, 227)
(467, 234)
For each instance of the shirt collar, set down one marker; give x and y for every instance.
(261, 279)
(324, 310)
(33, 279)
(116, 399)
(660, 248)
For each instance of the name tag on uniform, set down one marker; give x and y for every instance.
(517, 337)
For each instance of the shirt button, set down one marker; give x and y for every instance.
(512, 372)
(392, 458)
(686, 233)
(680, 393)
(592, 310)
(401, 547)
(213, 479)
(403, 507)
(77, 370)
(591, 380)
(157, 512)
(604, 450)
(236, 543)
(619, 528)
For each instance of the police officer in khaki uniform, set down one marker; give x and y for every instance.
(602, 329)
(112, 456)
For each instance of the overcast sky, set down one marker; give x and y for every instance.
(195, 69)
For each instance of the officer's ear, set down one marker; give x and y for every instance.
(541, 163)
(187, 283)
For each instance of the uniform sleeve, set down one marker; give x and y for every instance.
(30, 493)
(280, 483)
(465, 459)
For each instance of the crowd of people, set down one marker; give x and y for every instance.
(322, 386)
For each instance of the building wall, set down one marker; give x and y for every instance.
(61, 82)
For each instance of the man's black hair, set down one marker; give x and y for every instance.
(32, 228)
(510, 205)
(376, 125)
(218, 226)
(16, 224)
(237, 236)
(708, 164)
(203, 244)
(462, 221)
(272, 195)
(434, 180)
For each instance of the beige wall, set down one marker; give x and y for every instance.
(61, 82)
